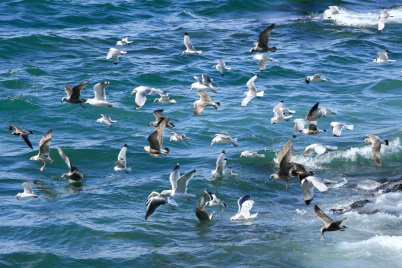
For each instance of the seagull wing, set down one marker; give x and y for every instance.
(174, 176)
(153, 204)
(44, 144)
(322, 216)
(76, 91)
(206, 80)
(64, 157)
(241, 201)
(317, 183)
(245, 208)
(26, 139)
(99, 90)
(313, 115)
(158, 114)
(141, 96)
(204, 96)
(187, 43)
(284, 159)
(182, 182)
(375, 148)
(383, 55)
(111, 52)
(246, 100)
(264, 36)
(121, 158)
(251, 86)
(27, 187)
(337, 128)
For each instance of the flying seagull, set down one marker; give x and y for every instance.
(155, 200)
(308, 182)
(314, 114)
(189, 47)
(115, 53)
(19, 131)
(214, 201)
(203, 102)
(252, 91)
(164, 98)
(262, 44)
(315, 78)
(245, 205)
(44, 150)
(28, 193)
(158, 116)
(100, 95)
(123, 42)
(319, 149)
(156, 139)
(200, 210)
(141, 93)
(285, 165)
(121, 164)
(73, 175)
(221, 66)
(262, 60)
(337, 128)
(382, 18)
(179, 182)
(73, 94)
(376, 142)
(223, 137)
(383, 57)
(279, 113)
(105, 119)
(220, 165)
(179, 136)
(249, 154)
(329, 224)
(203, 84)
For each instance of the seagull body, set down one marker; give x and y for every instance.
(105, 119)
(376, 142)
(329, 224)
(249, 154)
(382, 18)
(279, 113)
(74, 93)
(100, 95)
(319, 149)
(141, 93)
(204, 83)
(189, 47)
(121, 164)
(123, 42)
(245, 205)
(28, 193)
(155, 200)
(285, 165)
(214, 201)
(337, 128)
(19, 131)
(252, 91)
(383, 57)
(221, 66)
(44, 150)
(224, 138)
(200, 210)
(315, 78)
(73, 175)
(179, 136)
(115, 53)
(308, 183)
(314, 114)
(332, 10)
(164, 98)
(179, 183)
(203, 102)
(220, 165)
(155, 139)
(158, 117)
(262, 60)
(263, 38)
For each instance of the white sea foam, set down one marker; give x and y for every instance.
(368, 185)
(391, 245)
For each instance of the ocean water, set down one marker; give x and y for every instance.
(45, 45)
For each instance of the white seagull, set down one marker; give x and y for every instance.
(382, 18)
(28, 193)
(179, 183)
(123, 42)
(179, 136)
(105, 119)
(319, 149)
(220, 165)
(315, 78)
(203, 102)
(279, 113)
(221, 66)
(155, 200)
(189, 47)
(164, 98)
(141, 93)
(245, 205)
(223, 137)
(44, 150)
(214, 201)
(337, 128)
(204, 83)
(376, 142)
(308, 183)
(115, 53)
(383, 57)
(332, 10)
(252, 91)
(100, 95)
(249, 154)
(262, 60)
(121, 160)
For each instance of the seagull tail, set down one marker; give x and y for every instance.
(349, 127)
(260, 93)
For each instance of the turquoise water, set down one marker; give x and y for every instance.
(45, 45)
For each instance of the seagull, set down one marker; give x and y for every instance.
(100, 95)
(284, 164)
(203, 102)
(179, 136)
(249, 154)
(221, 66)
(245, 205)
(156, 139)
(189, 47)
(73, 94)
(262, 60)
(223, 137)
(308, 182)
(252, 91)
(383, 57)
(262, 44)
(123, 42)
(337, 128)
(115, 53)
(329, 224)
(164, 98)
(105, 119)
(315, 78)
(332, 10)
(155, 200)
(376, 147)
(204, 83)
(314, 114)
(141, 93)
(179, 183)
(121, 164)
(73, 175)
(311, 120)
(44, 150)
(158, 116)
(382, 18)
(19, 131)
(279, 113)
(319, 149)
(214, 201)
(220, 165)
(200, 210)
(28, 193)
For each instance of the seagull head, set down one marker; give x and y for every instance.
(387, 51)
(18, 196)
(30, 132)
(63, 99)
(307, 80)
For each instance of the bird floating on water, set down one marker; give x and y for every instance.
(315, 78)
(28, 193)
(73, 175)
(189, 47)
(383, 57)
(218, 172)
(100, 95)
(200, 210)
(245, 204)
(249, 154)
(121, 164)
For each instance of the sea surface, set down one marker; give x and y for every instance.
(46, 45)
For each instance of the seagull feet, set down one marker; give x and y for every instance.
(43, 167)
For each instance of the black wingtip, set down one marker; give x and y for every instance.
(223, 151)
(186, 33)
(386, 142)
(125, 145)
(308, 201)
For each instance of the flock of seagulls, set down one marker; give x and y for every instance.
(287, 169)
